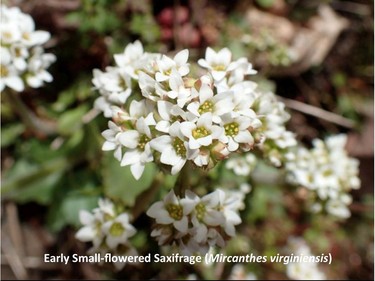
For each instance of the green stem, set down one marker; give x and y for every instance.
(143, 200)
(183, 181)
(28, 117)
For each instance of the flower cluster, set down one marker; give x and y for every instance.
(302, 270)
(107, 230)
(22, 56)
(196, 223)
(327, 170)
(242, 165)
(174, 117)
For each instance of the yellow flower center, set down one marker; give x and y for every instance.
(179, 147)
(207, 106)
(116, 229)
(200, 210)
(200, 132)
(3, 70)
(175, 211)
(143, 140)
(231, 129)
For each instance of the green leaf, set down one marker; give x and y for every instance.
(71, 120)
(10, 133)
(265, 3)
(67, 211)
(119, 183)
(27, 182)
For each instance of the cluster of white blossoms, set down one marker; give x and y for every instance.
(242, 165)
(107, 230)
(328, 171)
(22, 56)
(194, 223)
(302, 270)
(161, 113)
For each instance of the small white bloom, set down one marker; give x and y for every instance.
(139, 151)
(242, 165)
(217, 105)
(166, 65)
(118, 231)
(174, 148)
(201, 133)
(172, 211)
(217, 62)
(236, 131)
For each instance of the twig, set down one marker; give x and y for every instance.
(28, 117)
(318, 112)
(14, 228)
(13, 258)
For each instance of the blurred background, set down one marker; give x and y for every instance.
(317, 56)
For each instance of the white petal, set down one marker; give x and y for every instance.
(86, 217)
(131, 157)
(160, 143)
(244, 137)
(107, 145)
(186, 128)
(137, 170)
(181, 225)
(15, 83)
(129, 138)
(164, 109)
(85, 234)
(181, 57)
(205, 141)
(205, 93)
(218, 75)
(178, 166)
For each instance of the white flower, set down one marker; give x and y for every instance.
(168, 113)
(201, 133)
(302, 270)
(217, 105)
(173, 148)
(10, 78)
(229, 204)
(328, 171)
(23, 58)
(166, 65)
(241, 165)
(38, 63)
(112, 84)
(236, 131)
(139, 151)
(172, 211)
(178, 91)
(112, 140)
(218, 63)
(131, 56)
(205, 214)
(90, 232)
(108, 231)
(118, 231)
